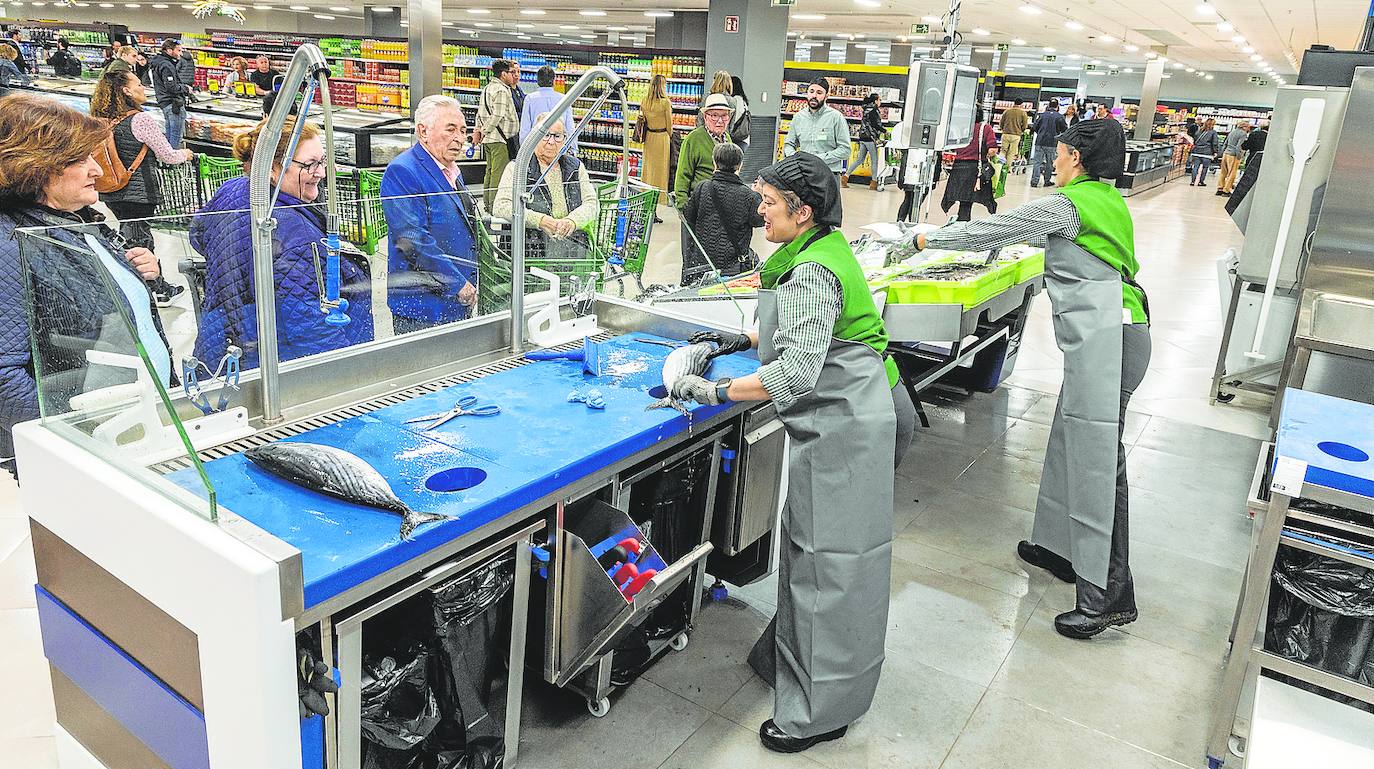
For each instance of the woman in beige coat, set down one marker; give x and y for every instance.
(658, 118)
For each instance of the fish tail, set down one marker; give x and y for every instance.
(413, 519)
(669, 403)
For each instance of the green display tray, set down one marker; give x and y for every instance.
(970, 292)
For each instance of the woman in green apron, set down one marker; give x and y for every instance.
(1101, 323)
(823, 348)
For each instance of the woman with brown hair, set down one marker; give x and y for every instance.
(77, 281)
(238, 73)
(657, 112)
(9, 71)
(119, 97)
(223, 233)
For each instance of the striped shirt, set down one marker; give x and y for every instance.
(809, 303)
(1031, 223)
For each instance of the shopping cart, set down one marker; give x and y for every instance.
(572, 259)
(361, 220)
(623, 225)
(180, 190)
(215, 172)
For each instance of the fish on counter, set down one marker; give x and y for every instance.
(336, 473)
(691, 360)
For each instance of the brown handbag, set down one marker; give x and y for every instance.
(641, 130)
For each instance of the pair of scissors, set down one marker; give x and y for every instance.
(466, 406)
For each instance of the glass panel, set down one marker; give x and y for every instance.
(101, 366)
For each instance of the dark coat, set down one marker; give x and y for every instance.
(871, 128)
(167, 85)
(222, 233)
(58, 304)
(143, 184)
(186, 69)
(723, 213)
(65, 63)
(1047, 127)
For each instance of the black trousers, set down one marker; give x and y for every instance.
(905, 212)
(133, 222)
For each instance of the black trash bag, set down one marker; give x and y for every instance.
(471, 618)
(399, 709)
(1321, 613)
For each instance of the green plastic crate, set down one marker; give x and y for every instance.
(214, 172)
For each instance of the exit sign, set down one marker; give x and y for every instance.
(1090, 67)
(1254, 78)
(1049, 57)
(1262, 81)
(784, 2)
(1003, 47)
(920, 29)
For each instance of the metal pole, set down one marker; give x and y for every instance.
(951, 24)
(519, 194)
(307, 62)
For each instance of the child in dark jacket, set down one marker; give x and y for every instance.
(723, 213)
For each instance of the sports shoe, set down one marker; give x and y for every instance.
(164, 293)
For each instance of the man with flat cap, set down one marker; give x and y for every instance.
(1101, 323)
(825, 367)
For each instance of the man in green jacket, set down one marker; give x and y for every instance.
(694, 166)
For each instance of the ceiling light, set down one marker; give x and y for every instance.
(608, 29)
(1164, 58)
(868, 3)
(1150, 54)
(1211, 77)
(532, 12)
(339, 8)
(258, 7)
(1113, 66)
(1255, 57)
(1166, 77)
(1225, 27)
(1106, 39)
(591, 13)
(1178, 65)
(1132, 48)
(1073, 25)
(325, 16)
(1029, 9)
(1205, 8)
(1095, 61)
(479, 11)
(1238, 39)
(160, 6)
(985, 50)
(1050, 71)
(979, 31)
(448, 24)
(1018, 41)
(550, 34)
(383, 9)
(1074, 56)
(483, 24)
(932, 20)
(132, 5)
(527, 25)
(1128, 71)
(1248, 49)
(1072, 67)
(1190, 69)
(1047, 49)
(901, 38)
(802, 16)
(658, 14)
(587, 35)
(568, 26)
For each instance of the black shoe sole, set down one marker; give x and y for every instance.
(1058, 570)
(803, 744)
(1111, 620)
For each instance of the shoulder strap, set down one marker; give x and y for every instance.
(143, 153)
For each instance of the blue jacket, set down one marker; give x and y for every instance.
(222, 234)
(1047, 127)
(431, 251)
(62, 303)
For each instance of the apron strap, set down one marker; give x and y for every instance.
(1144, 297)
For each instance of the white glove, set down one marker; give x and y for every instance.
(695, 388)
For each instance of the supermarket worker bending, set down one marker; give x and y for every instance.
(826, 369)
(1101, 323)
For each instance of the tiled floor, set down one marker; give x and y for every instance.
(975, 676)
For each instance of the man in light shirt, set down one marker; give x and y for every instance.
(498, 123)
(431, 264)
(542, 102)
(820, 129)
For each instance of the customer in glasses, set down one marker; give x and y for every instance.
(222, 232)
(563, 203)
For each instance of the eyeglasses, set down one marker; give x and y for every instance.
(311, 168)
(553, 138)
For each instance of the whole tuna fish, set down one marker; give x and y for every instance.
(338, 474)
(691, 360)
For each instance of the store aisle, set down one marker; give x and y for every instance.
(975, 676)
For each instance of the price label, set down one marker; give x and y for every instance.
(1288, 476)
(920, 29)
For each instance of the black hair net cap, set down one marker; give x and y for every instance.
(812, 180)
(1102, 144)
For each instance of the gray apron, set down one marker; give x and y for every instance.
(834, 578)
(1075, 510)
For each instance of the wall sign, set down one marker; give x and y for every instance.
(1003, 47)
(920, 29)
(732, 24)
(1049, 57)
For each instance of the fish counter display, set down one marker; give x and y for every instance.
(335, 492)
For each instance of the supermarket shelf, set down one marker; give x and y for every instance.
(364, 80)
(583, 143)
(644, 78)
(462, 89)
(287, 55)
(602, 174)
(841, 98)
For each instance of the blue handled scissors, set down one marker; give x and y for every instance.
(466, 406)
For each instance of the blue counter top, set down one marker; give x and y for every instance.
(537, 444)
(1334, 436)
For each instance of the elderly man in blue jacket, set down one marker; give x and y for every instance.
(432, 263)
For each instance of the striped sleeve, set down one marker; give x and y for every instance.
(1030, 223)
(808, 306)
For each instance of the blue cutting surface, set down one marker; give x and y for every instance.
(1334, 436)
(537, 444)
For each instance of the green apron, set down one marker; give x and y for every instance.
(824, 652)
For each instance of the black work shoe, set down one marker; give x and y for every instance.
(1076, 624)
(1041, 558)
(778, 741)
